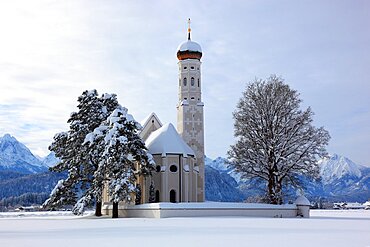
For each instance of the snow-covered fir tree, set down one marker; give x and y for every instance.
(276, 141)
(75, 158)
(65, 191)
(123, 157)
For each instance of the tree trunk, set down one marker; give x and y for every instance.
(98, 209)
(271, 189)
(115, 210)
(271, 194)
(278, 193)
(275, 192)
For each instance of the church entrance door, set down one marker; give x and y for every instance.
(173, 196)
(157, 196)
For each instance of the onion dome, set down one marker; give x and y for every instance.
(189, 49)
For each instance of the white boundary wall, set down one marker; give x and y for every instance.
(208, 209)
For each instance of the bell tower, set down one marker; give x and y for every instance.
(190, 120)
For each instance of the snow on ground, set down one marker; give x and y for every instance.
(324, 228)
(41, 215)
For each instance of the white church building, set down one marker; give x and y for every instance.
(178, 154)
(177, 184)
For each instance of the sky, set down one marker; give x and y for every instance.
(51, 51)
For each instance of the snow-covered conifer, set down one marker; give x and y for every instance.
(62, 188)
(76, 158)
(102, 146)
(123, 156)
(276, 141)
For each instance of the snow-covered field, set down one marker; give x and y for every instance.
(324, 228)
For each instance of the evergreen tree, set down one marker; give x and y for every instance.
(123, 157)
(276, 141)
(76, 158)
(101, 147)
(65, 191)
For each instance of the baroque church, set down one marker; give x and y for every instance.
(178, 153)
(179, 157)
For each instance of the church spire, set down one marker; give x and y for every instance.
(190, 117)
(189, 29)
(189, 49)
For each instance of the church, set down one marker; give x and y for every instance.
(179, 157)
(178, 153)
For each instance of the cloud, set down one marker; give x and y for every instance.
(51, 51)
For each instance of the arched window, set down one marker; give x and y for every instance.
(173, 196)
(185, 81)
(173, 168)
(198, 82)
(192, 81)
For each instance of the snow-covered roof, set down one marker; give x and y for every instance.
(149, 124)
(166, 140)
(190, 46)
(145, 121)
(302, 200)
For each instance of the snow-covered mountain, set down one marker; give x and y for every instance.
(219, 163)
(336, 167)
(15, 156)
(342, 179)
(220, 186)
(50, 160)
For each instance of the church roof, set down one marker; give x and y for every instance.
(149, 124)
(145, 121)
(166, 140)
(190, 46)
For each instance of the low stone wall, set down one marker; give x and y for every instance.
(214, 209)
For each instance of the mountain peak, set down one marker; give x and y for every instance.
(7, 137)
(337, 166)
(17, 157)
(219, 163)
(50, 160)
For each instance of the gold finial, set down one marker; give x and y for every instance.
(189, 29)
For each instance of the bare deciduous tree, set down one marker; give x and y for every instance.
(276, 141)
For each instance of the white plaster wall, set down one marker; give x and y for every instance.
(159, 210)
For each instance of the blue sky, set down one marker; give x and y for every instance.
(53, 50)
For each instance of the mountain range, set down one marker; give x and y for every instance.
(15, 156)
(341, 180)
(23, 175)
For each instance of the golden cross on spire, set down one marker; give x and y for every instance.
(189, 29)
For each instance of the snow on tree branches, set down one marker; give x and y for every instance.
(121, 151)
(102, 144)
(276, 141)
